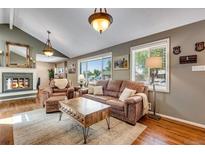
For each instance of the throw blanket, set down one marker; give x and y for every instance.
(61, 83)
(145, 102)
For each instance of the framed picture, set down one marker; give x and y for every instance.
(199, 46)
(121, 62)
(71, 68)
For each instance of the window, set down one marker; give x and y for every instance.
(140, 73)
(96, 68)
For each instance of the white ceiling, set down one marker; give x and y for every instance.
(73, 36)
(51, 59)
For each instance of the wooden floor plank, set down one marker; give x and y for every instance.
(157, 132)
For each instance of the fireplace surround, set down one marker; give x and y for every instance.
(23, 85)
(13, 82)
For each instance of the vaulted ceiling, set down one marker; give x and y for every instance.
(73, 36)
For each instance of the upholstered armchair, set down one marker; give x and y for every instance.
(55, 89)
(61, 87)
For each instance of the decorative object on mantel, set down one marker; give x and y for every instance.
(199, 46)
(188, 59)
(154, 63)
(48, 50)
(100, 20)
(121, 62)
(176, 50)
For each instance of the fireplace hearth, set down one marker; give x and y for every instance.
(13, 82)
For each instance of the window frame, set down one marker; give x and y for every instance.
(150, 45)
(92, 58)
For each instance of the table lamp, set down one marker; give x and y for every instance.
(81, 79)
(154, 63)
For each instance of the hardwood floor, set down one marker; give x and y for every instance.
(7, 109)
(163, 131)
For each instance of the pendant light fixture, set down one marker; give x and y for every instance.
(48, 50)
(100, 20)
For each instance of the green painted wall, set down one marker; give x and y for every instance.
(186, 99)
(19, 36)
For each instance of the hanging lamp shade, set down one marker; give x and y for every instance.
(100, 21)
(48, 50)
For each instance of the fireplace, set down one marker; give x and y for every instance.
(13, 82)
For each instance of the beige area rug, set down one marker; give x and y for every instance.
(37, 127)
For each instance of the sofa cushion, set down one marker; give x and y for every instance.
(59, 94)
(61, 83)
(116, 104)
(102, 83)
(111, 93)
(139, 87)
(114, 85)
(98, 90)
(126, 94)
(101, 99)
(56, 90)
(90, 89)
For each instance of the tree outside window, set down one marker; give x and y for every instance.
(141, 73)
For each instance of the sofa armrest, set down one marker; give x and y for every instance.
(70, 89)
(70, 92)
(133, 99)
(83, 91)
(133, 109)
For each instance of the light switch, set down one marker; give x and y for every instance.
(198, 68)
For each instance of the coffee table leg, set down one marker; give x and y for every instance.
(108, 122)
(85, 134)
(61, 113)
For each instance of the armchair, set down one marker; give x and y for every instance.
(54, 91)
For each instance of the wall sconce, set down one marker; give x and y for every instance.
(1, 52)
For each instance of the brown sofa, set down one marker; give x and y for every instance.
(130, 110)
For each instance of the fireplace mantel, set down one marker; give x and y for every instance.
(19, 94)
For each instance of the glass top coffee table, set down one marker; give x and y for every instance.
(86, 112)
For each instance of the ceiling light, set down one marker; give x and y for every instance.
(100, 20)
(48, 50)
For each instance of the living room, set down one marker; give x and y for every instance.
(75, 82)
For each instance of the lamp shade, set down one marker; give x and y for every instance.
(154, 62)
(81, 77)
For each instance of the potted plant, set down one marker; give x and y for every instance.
(51, 74)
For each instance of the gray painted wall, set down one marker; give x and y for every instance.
(18, 36)
(186, 99)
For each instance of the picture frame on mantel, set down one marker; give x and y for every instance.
(121, 62)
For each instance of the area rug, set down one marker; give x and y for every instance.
(37, 127)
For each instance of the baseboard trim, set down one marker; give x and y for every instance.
(181, 120)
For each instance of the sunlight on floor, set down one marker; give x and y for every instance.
(14, 120)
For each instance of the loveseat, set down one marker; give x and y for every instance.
(130, 110)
